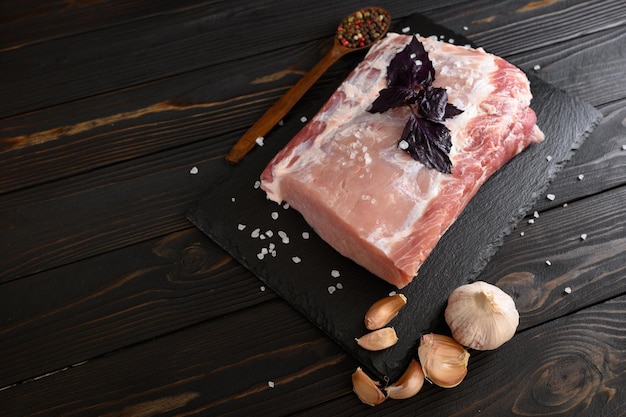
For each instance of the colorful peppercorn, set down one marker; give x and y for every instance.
(362, 27)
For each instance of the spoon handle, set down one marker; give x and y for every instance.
(276, 113)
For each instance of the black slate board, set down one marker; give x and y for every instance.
(337, 304)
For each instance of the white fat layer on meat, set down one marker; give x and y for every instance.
(458, 69)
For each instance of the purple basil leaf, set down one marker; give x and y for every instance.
(432, 103)
(391, 97)
(428, 142)
(411, 67)
(451, 111)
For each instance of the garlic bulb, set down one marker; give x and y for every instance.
(383, 311)
(444, 361)
(481, 316)
(366, 389)
(409, 384)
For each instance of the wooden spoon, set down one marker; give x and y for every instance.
(345, 42)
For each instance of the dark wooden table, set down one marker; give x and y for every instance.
(113, 304)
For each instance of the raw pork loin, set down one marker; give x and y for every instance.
(370, 200)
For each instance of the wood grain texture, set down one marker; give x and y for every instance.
(117, 299)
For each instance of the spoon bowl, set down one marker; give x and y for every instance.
(357, 31)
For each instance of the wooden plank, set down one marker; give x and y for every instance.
(26, 22)
(600, 161)
(197, 371)
(159, 46)
(180, 373)
(110, 301)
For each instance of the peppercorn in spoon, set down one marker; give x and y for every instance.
(357, 31)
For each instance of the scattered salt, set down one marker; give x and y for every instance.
(262, 287)
(331, 289)
(537, 67)
(281, 122)
(339, 286)
(549, 158)
(193, 171)
(624, 147)
(583, 236)
(522, 234)
(241, 226)
(271, 384)
(406, 29)
(334, 273)
(303, 119)
(257, 184)
(531, 221)
(286, 206)
(232, 199)
(465, 28)
(564, 204)
(255, 233)
(259, 140)
(548, 263)
(260, 256)
(269, 233)
(567, 290)
(404, 145)
(296, 259)
(392, 293)
(536, 214)
(581, 177)
(274, 215)
(550, 197)
(305, 235)
(451, 40)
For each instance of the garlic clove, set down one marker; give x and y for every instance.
(366, 389)
(409, 384)
(444, 360)
(383, 311)
(481, 316)
(378, 339)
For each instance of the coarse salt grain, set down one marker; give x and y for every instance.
(305, 235)
(567, 290)
(271, 384)
(241, 226)
(581, 177)
(624, 147)
(536, 214)
(583, 236)
(392, 293)
(331, 289)
(259, 140)
(257, 184)
(404, 145)
(255, 233)
(531, 221)
(274, 215)
(339, 286)
(465, 28)
(550, 197)
(334, 273)
(286, 206)
(522, 233)
(548, 263)
(303, 119)
(193, 171)
(537, 67)
(549, 158)
(232, 199)
(296, 259)
(406, 29)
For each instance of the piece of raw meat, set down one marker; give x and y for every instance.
(369, 199)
